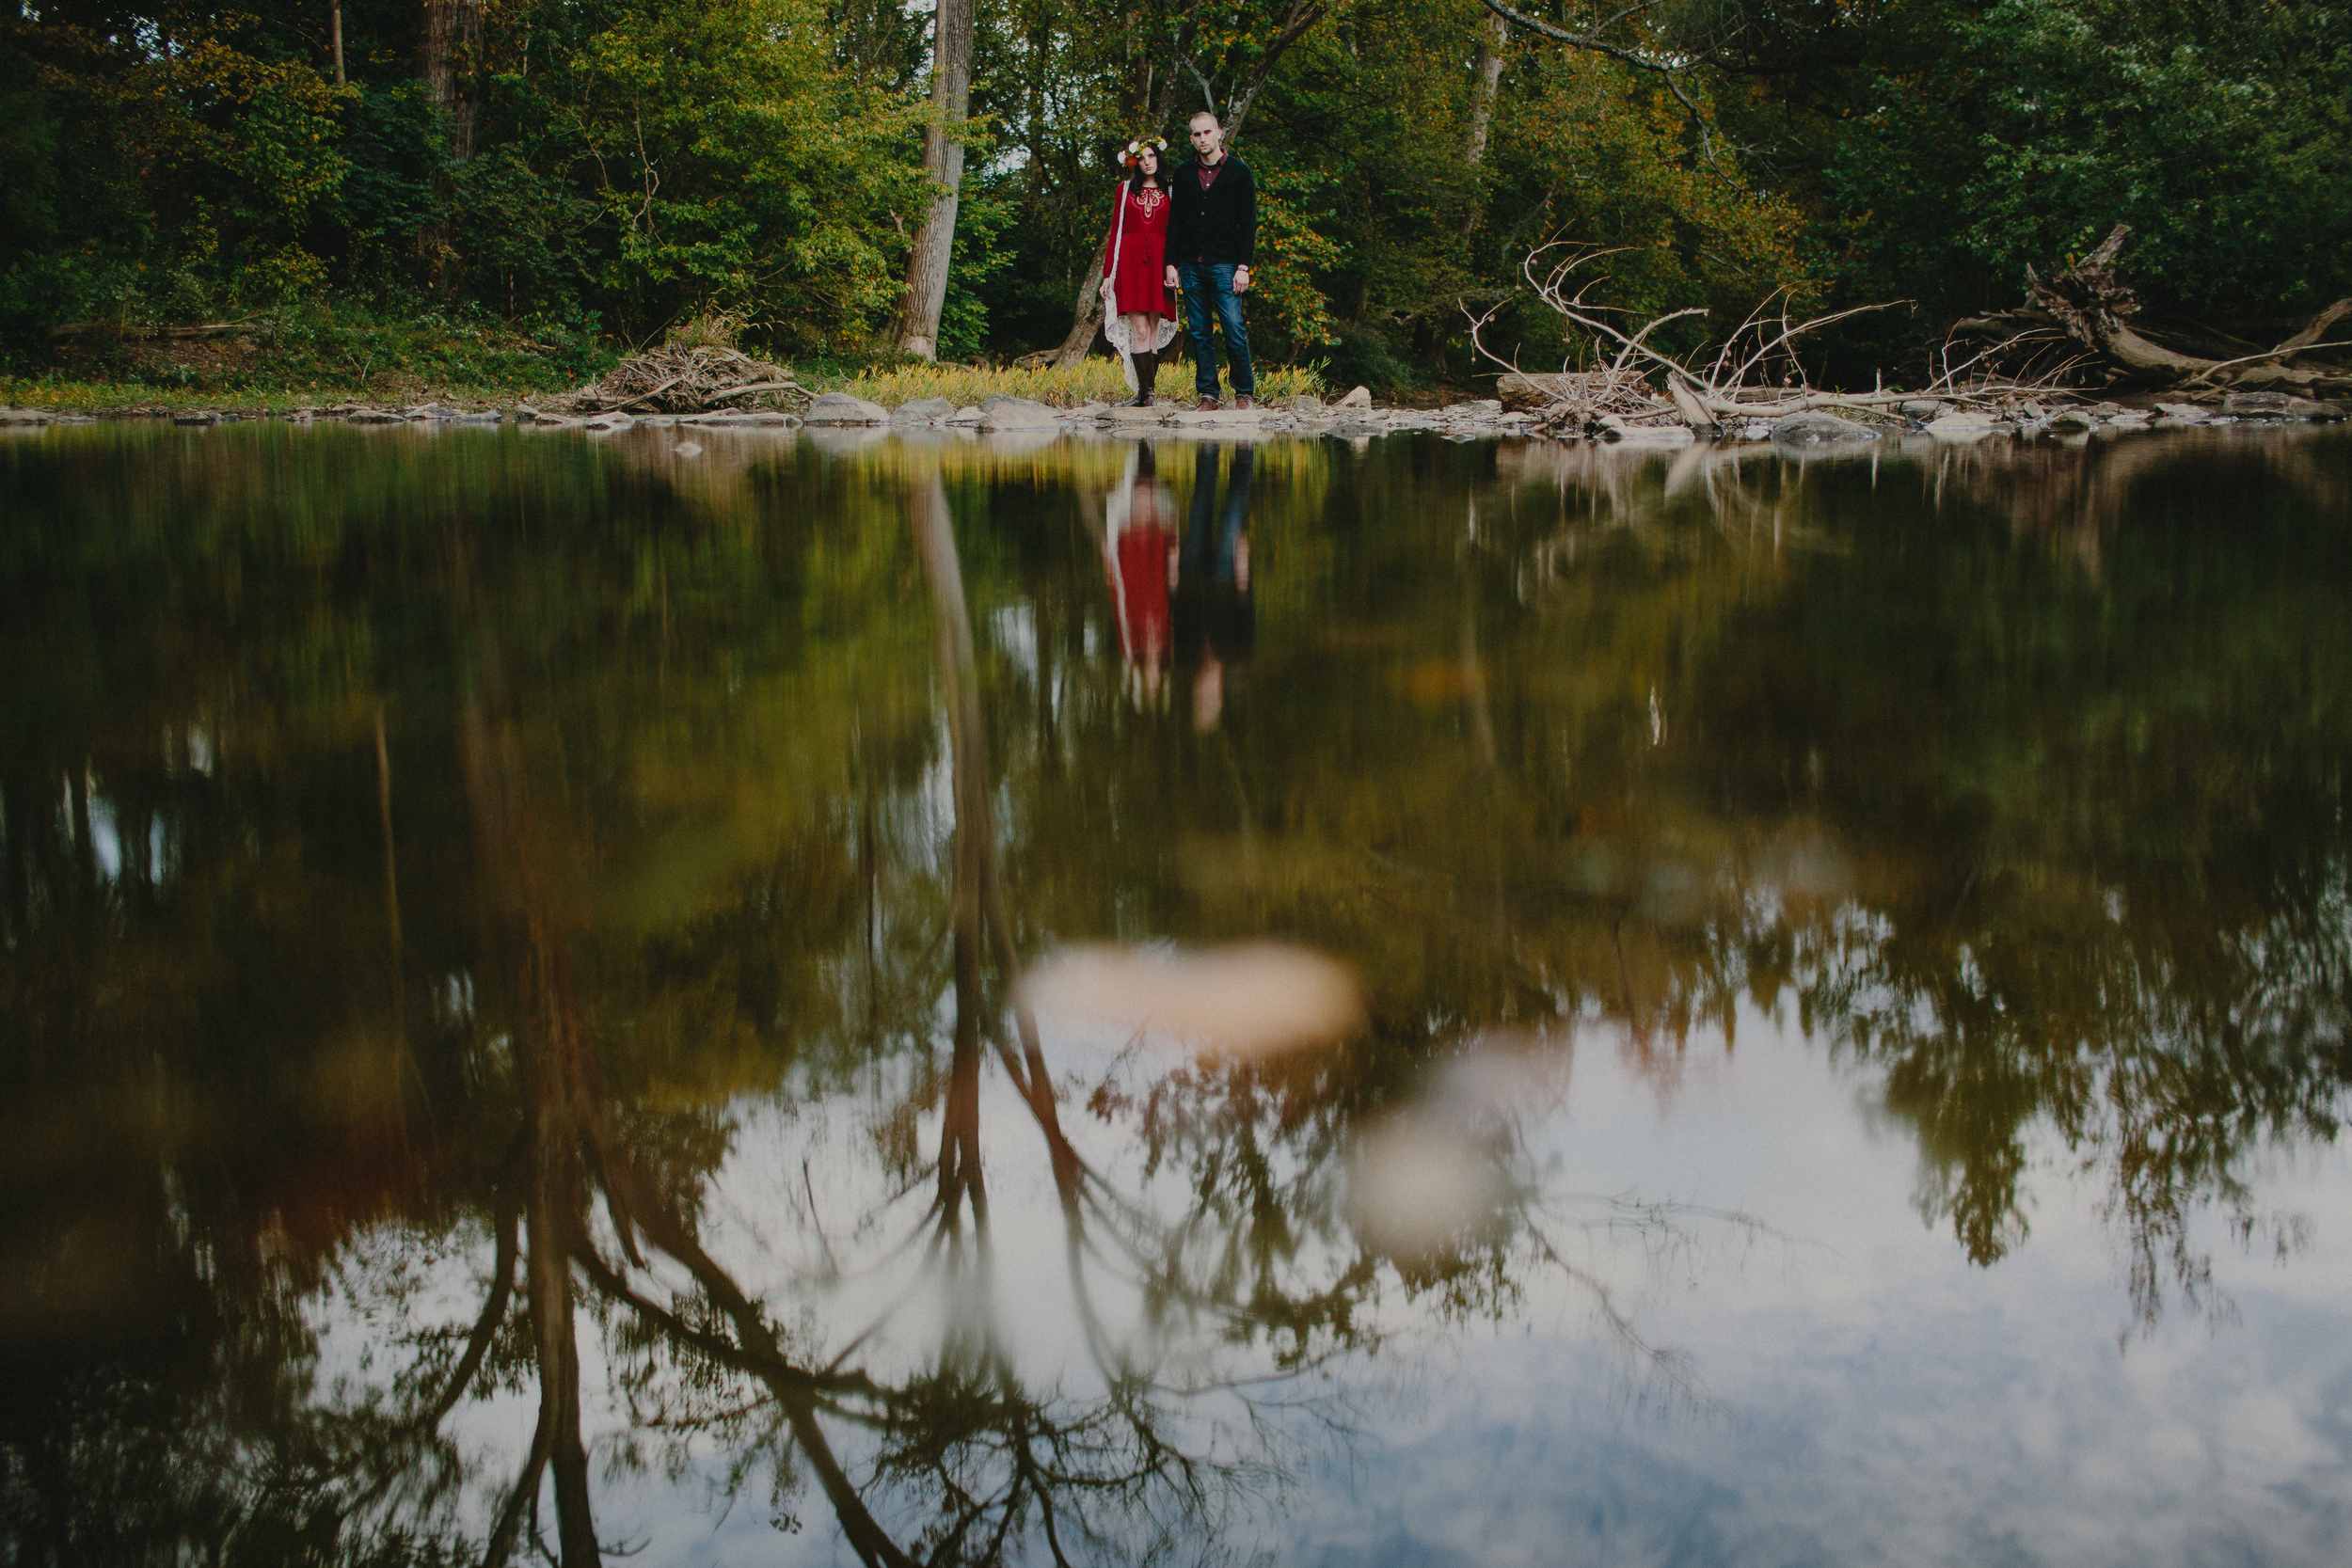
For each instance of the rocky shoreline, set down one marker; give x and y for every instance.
(1350, 418)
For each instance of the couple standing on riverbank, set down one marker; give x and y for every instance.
(1193, 228)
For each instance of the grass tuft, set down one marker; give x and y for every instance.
(1095, 380)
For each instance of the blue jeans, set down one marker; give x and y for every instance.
(1202, 285)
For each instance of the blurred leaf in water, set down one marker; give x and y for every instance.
(1245, 1001)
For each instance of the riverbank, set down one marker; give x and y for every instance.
(1095, 381)
(318, 353)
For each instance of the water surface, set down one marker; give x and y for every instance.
(867, 997)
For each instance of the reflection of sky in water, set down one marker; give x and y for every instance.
(1862, 1394)
(1833, 1383)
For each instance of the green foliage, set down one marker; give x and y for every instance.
(1988, 138)
(731, 165)
(980, 258)
(626, 165)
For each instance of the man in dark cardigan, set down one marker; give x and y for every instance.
(1212, 240)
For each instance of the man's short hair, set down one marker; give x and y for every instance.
(1209, 114)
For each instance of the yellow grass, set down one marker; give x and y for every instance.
(1095, 380)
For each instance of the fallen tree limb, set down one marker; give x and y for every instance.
(116, 329)
(1707, 395)
(2090, 305)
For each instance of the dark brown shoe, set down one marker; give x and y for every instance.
(1245, 401)
(1206, 405)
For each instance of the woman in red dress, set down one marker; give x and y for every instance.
(1139, 313)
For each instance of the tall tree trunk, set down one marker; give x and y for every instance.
(1080, 342)
(447, 45)
(1482, 91)
(942, 160)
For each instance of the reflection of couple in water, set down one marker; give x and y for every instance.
(1181, 601)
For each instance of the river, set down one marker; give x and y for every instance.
(776, 996)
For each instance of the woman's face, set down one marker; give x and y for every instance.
(1148, 162)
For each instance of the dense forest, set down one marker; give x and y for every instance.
(604, 168)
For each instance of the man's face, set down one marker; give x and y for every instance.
(1208, 137)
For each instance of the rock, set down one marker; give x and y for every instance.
(841, 408)
(2070, 421)
(2277, 404)
(924, 411)
(1816, 429)
(1756, 431)
(1307, 403)
(2188, 411)
(26, 416)
(1483, 408)
(201, 416)
(1004, 413)
(968, 413)
(1964, 422)
(610, 421)
(1359, 397)
(374, 415)
(1924, 408)
(1128, 414)
(487, 417)
(2128, 419)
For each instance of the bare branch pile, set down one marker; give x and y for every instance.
(2085, 315)
(682, 380)
(2072, 333)
(1754, 377)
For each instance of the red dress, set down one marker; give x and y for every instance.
(1139, 241)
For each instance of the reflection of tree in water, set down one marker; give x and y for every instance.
(2065, 849)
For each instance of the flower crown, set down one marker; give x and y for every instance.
(1134, 155)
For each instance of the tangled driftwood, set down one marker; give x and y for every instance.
(2085, 314)
(1639, 384)
(675, 380)
(2025, 364)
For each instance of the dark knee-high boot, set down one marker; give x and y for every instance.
(1147, 363)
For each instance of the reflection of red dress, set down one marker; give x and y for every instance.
(1141, 284)
(1141, 548)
